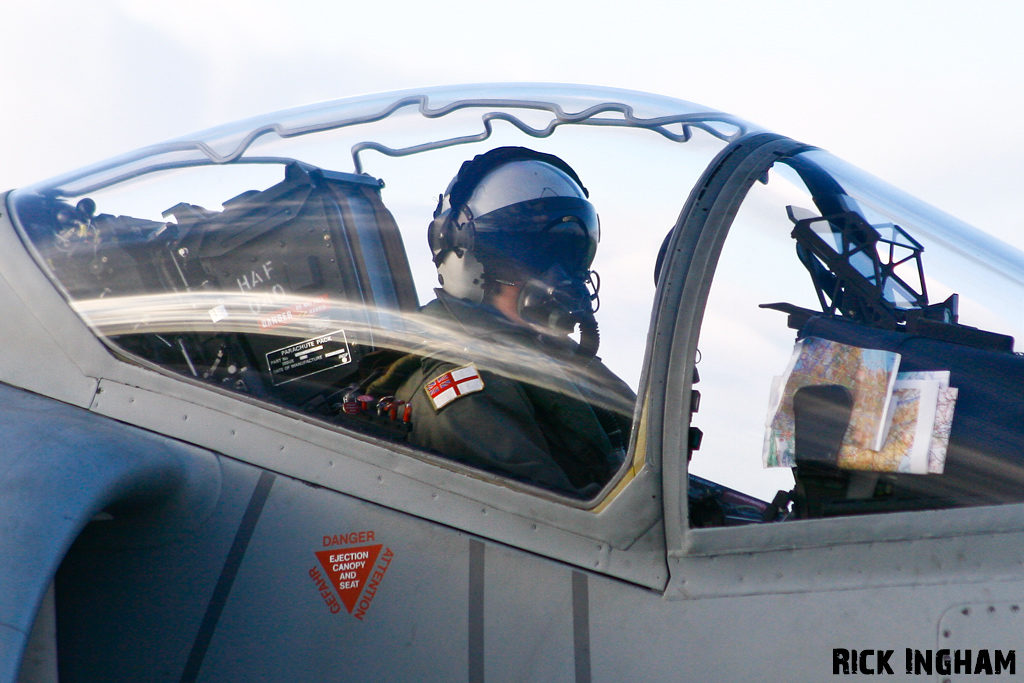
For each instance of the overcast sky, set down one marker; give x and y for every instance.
(924, 94)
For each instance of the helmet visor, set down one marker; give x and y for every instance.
(541, 234)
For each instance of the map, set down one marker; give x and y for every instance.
(868, 374)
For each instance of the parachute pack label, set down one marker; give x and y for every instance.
(309, 357)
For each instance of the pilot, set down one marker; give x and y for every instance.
(513, 238)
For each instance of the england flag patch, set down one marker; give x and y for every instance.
(445, 388)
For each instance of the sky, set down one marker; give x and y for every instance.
(918, 92)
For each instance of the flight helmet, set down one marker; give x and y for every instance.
(517, 216)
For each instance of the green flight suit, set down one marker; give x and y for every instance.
(541, 430)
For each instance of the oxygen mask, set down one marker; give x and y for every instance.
(556, 303)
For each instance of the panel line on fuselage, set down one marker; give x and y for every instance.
(227, 577)
(581, 626)
(476, 611)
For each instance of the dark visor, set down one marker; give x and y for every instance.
(541, 233)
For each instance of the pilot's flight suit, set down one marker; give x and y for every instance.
(550, 437)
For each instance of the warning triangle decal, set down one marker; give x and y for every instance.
(347, 569)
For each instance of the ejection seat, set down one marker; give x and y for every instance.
(284, 295)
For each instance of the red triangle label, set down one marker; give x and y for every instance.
(347, 568)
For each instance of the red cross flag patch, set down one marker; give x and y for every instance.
(445, 388)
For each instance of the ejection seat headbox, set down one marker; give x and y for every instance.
(303, 269)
